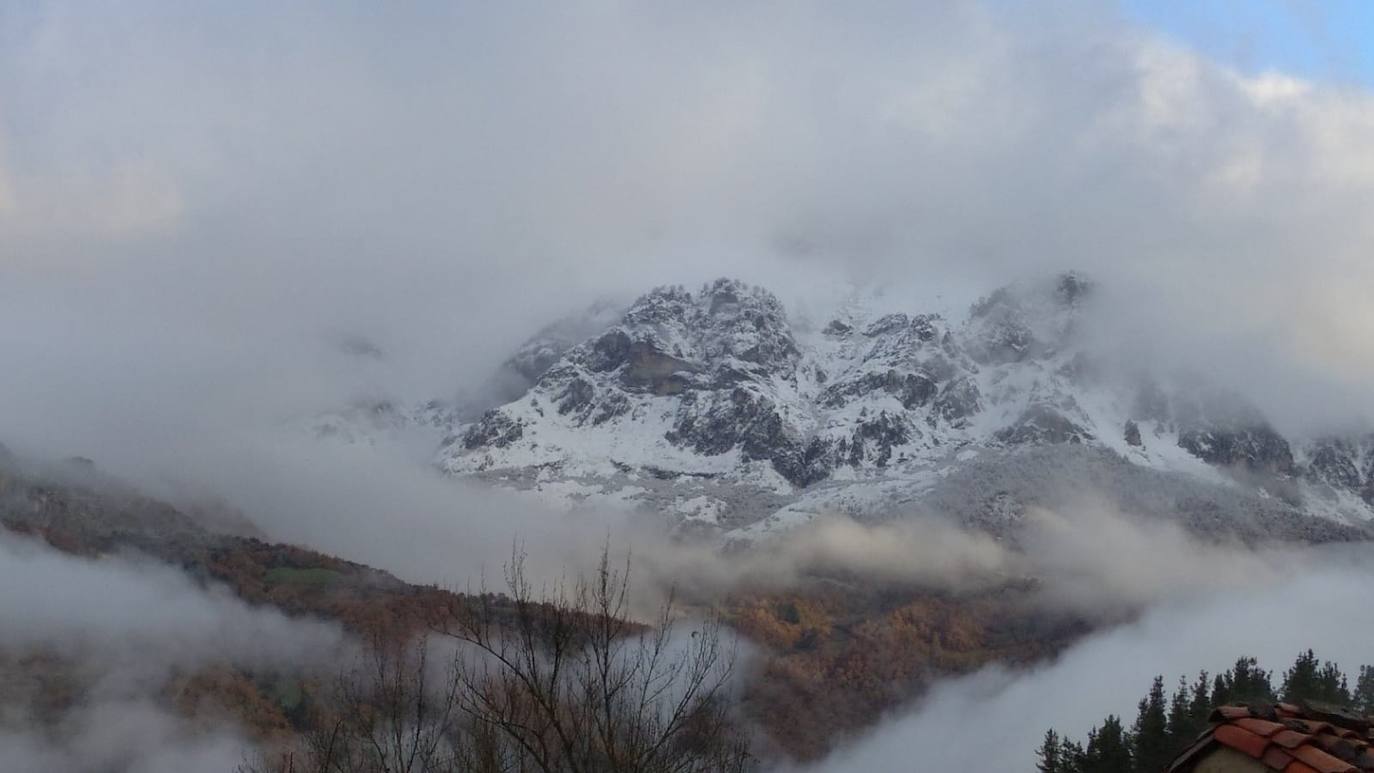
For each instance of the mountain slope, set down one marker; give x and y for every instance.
(714, 406)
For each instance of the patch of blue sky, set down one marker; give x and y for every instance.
(1324, 40)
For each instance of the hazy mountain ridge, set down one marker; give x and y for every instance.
(715, 406)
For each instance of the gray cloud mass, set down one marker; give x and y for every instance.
(198, 203)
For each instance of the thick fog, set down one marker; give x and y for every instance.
(124, 611)
(218, 223)
(197, 206)
(123, 735)
(119, 629)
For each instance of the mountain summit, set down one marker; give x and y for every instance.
(714, 406)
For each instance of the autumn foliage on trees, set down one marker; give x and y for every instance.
(837, 656)
(832, 653)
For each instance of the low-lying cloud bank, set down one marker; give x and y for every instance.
(372, 505)
(197, 208)
(1273, 616)
(126, 610)
(376, 504)
(1088, 558)
(127, 735)
(120, 629)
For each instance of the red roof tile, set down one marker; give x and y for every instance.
(1258, 726)
(1291, 739)
(1304, 739)
(1241, 740)
(1276, 758)
(1322, 761)
(1308, 726)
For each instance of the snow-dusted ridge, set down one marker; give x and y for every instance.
(712, 406)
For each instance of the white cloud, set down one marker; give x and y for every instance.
(119, 629)
(251, 184)
(141, 618)
(125, 735)
(195, 205)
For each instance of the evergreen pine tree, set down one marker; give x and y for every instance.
(1071, 756)
(1221, 690)
(1310, 679)
(1047, 756)
(1301, 680)
(1332, 686)
(1364, 691)
(1109, 748)
(1089, 761)
(1246, 682)
(1180, 729)
(1150, 734)
(1200, 707)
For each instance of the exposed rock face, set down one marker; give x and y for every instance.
(959, 399)
(1132, 434)
(1222, 429)
(719, 385)
(1257, 448)
(1344, 464)
(912, 390)
(874, 439)
(1333, 461)
(496, 430)
(741, 418)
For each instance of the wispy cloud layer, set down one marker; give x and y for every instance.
(194, 202)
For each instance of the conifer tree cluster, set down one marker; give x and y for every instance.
(1166, 723)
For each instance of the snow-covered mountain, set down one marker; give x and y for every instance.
(711, 405)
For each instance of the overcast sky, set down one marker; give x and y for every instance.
(198, 201)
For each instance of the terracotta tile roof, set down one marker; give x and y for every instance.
(1311, 738)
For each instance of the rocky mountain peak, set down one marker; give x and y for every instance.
(714, 389)
(725, 319)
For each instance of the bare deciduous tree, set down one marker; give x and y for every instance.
(557, 682)
(578, 687)
(393, 715)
